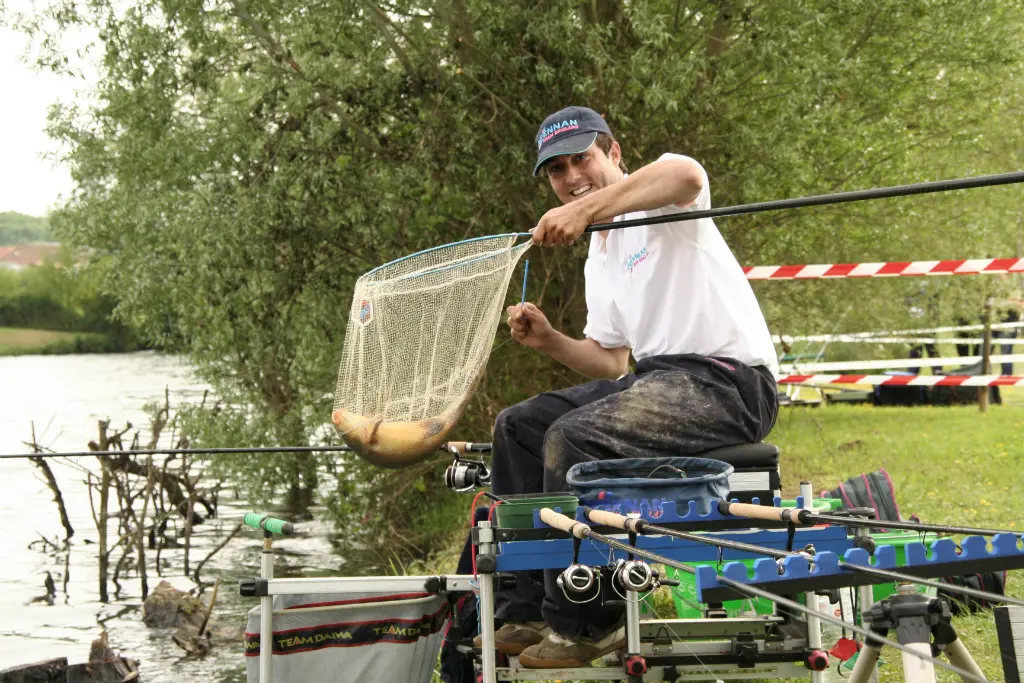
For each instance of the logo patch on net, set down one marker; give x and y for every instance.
(637, 258)
(365, 314)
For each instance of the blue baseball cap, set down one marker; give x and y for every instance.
(568, 131)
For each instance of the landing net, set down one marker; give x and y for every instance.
(419, 334)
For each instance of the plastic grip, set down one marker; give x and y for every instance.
(271, 524)
(606, 518)
(560, 521)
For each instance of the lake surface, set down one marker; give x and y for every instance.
(65, 397)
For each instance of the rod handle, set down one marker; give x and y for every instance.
(605, 518)
(266, 523)
(560, 521)
(771, 514)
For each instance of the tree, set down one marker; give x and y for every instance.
(246, 160)
(16, 228)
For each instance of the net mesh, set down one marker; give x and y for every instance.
(419, 333)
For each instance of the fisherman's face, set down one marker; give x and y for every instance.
(573, 176)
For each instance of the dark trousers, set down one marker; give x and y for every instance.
(1005, 349)
(672, 405)
(931, 350)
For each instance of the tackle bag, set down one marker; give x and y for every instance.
(875, 490)
(629, 484)
(993, 582)
(365, 637)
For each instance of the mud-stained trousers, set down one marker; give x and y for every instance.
(672, 405)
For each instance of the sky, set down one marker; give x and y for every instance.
(29, 183)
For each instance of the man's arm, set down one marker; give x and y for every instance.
(588, 358)
(670, 181)
(676, 181)
(530, 327)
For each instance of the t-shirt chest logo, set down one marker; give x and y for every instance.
(637, 258)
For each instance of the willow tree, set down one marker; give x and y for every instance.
(244, 160)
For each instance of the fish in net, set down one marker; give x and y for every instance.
(419, 333)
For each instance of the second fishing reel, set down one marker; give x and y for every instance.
(633, 575)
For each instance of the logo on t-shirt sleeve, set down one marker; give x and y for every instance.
(637, 258)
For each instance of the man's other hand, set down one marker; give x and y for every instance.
(530, 326)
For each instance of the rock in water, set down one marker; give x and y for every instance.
(105, 666)
(49, 671)
(168, 607)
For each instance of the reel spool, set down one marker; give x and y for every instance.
(579, 579)
(634, 575)
(465, 475)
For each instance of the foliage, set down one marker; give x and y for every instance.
(60, 298)
(16, 228)
(16, 341)
(246, 160)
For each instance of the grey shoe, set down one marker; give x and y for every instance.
(556, 652)
(511, 639)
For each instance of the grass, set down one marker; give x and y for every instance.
(16, 341)
(949, 465)
(954, 465)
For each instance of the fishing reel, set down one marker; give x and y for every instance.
(579, 580)
(465, 475)
(807, 551)
(633, 575)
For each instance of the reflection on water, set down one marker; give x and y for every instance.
(65, 396)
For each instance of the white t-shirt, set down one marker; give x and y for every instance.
(673, 288)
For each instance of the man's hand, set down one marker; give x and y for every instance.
(530, 326)
(562, 225)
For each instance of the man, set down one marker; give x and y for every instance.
(673, 295)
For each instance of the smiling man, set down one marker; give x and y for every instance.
(670, 294)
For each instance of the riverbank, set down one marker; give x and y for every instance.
(954, 465)
(19, 341)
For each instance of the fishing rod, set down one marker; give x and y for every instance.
(805, 517)
(641, 526)
(824, 199)
(581, 530)
(461, 446)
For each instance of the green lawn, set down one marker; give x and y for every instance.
(949, 465)
(15, 341)
(954, 465)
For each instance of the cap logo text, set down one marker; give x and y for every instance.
(554, 129)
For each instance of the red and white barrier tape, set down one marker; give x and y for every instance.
(850, 339)
(909, 380)
(870, 336)
(893, 363)
(980, 266)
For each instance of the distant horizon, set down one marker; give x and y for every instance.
(22, 213)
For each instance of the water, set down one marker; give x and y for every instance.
(65, 396)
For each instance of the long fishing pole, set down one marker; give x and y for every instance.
(582, 530)
(644, 527)
(824, 199)
(462, 446)
(801, 516)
